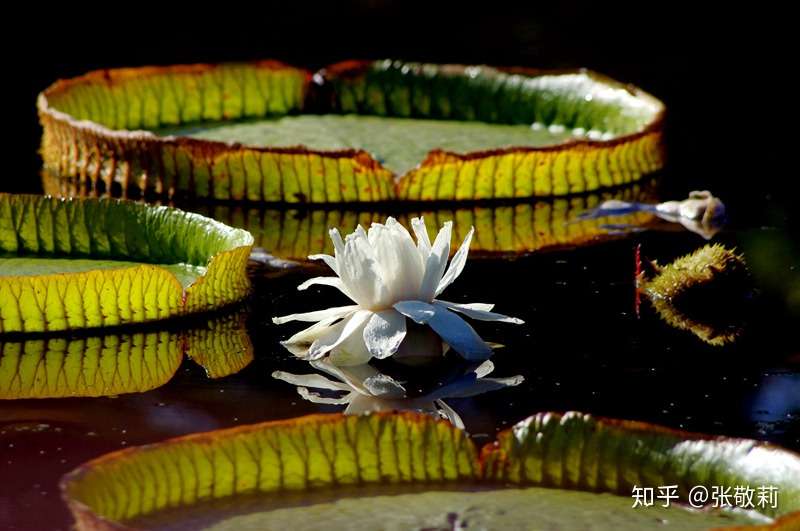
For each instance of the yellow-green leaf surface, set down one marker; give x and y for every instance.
(114, 364)
(362, 131)
(326, 469)
(84, 263)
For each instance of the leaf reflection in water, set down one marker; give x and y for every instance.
(109, 364)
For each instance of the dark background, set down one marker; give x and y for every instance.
(725, 74)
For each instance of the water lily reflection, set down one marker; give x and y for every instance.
(364, 389)
(390, 278)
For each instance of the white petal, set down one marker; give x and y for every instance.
(352, 351)
(400, 263)
(338, 334)
(360, 272)
(423, 240)
(384, 333)
(338, 244)
(458, 334)
(420, 312)
(334, 282)
(457, 263)
(328, 259)
(315, 381)
(299, 343)
(483, 306)
(470, 310)
(436, 262)
(318, 315)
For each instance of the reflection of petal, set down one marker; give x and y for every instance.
(316, 381)
(449, 414)
(318, 399)
(484, 368)
(353, 376)
(384, 333)
(384, 386)
(476, 311)
(338, 333)
(318, 315)
(466, 388)
(457, 263)
(436, 262)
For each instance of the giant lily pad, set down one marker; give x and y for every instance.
(69, 264)
(119, 363)
(403, 470)
(356, 131)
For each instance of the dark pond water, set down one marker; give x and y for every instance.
(583, 347)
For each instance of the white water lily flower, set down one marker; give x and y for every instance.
(390, 278)
(367, 390)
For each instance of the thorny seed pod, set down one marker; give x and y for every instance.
(705, 292)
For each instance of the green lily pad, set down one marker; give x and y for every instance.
(70, 264)
(399, 144)
(355, 131)
(404, 470)
(115, 364)
(443, 509)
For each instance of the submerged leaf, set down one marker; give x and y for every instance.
(419, 471)
(265, 132)
(69, 264)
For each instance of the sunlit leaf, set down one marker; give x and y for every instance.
(403, 470)
(577, 451)
(69, 264)
(265, 132)
(114, 364)
(309, 452)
